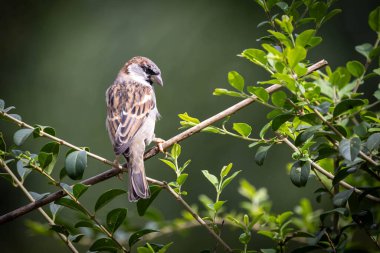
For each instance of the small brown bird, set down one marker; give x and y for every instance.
(131, 117)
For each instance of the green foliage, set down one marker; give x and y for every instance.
(115, 218)
(107, 197)
(75, 164)
(322, 115)
(171, 161)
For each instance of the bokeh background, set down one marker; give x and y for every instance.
(58, 57)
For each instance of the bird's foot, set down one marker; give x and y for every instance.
(159, 143)
(116, 162)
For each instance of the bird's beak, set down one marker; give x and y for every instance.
(157, 79)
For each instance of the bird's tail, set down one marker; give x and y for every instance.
(138, 185)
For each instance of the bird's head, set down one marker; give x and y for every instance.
(142, 69)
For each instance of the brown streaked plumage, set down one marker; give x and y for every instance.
(131, 116)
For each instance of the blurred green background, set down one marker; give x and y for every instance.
(59, 57)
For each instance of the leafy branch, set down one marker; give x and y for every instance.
(117, 169)
(18, 183)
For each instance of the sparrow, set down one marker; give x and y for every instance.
(131, 117)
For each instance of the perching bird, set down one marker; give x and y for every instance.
(131, 117)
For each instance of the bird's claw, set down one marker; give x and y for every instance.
(120, 175)
(159, 143)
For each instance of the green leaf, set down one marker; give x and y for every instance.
(218, 92)
(256, 56)
(75, 164)
(318, 11)
(186, 117)
(104, 244)
(279, 120)
(261, 154)
(135, 237)
(346, 105)
(79, 189)
(375, 52)
(165, 248)
(342, 174)
(169, 163)
(315, 41)
(213, 179)
(355, 68)
(144, 250)
(21, 135)
(364, 49)
(106, 197)
(282, 218)
(304, 38)
(218, 205)
(22, 170)
(75, 238)
(341, 198)
(84, 224)
(48, 156)
(270, 235)
(67, 202)
(229, 179)
(278, 98)
(295, 55)
(176, 151)
(305, 135)
(374, 19)
(244, 238)
(349, 148)
(286, 24)
(225, 170)
(260, 92)
(340, 77)
(115, 218)
(299, 173)
(373, 141)
(281, 37)
(265, 129)
(236, 80)
(182, 178)
(286, 80)
(236, 221)
(331, 14)
(242, 128)
(44, 159)
(54, 208)
(45, 129)
(143, 204)
(272, 50)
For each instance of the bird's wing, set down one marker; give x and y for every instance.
(128, 107)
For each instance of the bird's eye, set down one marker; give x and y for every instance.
(148, 70)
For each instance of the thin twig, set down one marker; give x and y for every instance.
(30, 197)
(116, 169)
